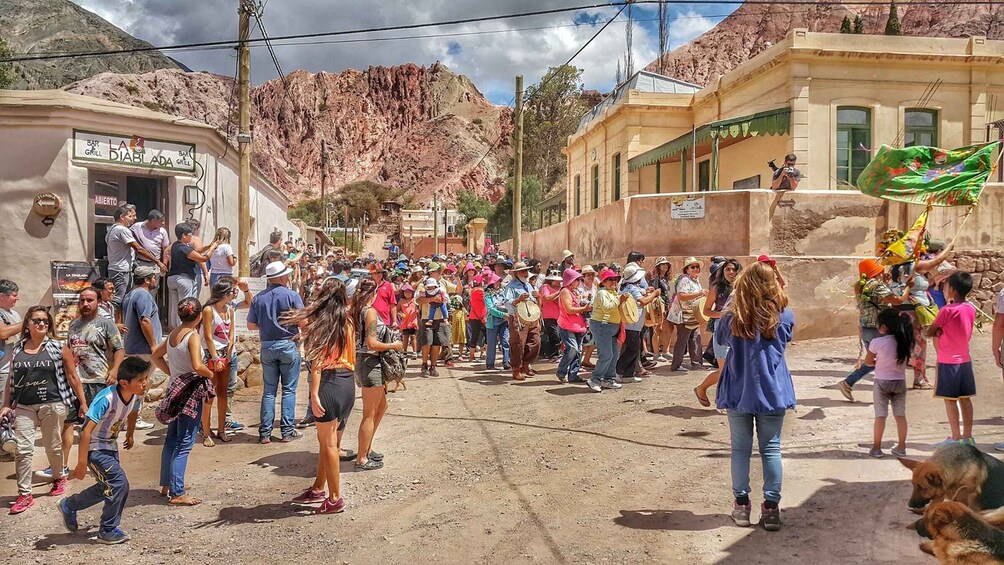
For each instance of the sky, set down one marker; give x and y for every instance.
(489, 53)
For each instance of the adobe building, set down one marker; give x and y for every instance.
(668, 168)
(92, 155)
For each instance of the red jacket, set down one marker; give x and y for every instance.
(478, 309)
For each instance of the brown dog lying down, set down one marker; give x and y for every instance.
(951, 469)
(960, 536)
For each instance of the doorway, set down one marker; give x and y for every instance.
(107, 192)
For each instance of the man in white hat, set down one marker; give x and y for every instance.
(280, 355)
(524, 337)
(567, 261)
(629, 360)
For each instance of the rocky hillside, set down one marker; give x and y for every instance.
(59, 26)
(755, 27)
(422, 129)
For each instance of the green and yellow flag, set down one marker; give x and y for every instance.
(928, 175)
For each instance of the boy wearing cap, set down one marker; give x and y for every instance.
(872, 295)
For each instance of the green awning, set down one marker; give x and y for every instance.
(770, 122)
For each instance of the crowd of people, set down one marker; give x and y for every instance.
(351, 320)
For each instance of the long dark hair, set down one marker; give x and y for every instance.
(360, 300)
(327, 320)
(900, 326)
(722, 285)
(222, 289)
(26, 323)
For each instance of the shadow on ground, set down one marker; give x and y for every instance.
(683, 520)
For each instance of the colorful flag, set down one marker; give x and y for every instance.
(928, 175)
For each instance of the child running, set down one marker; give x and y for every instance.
(111, 407)
(890, 355)
(955, 382)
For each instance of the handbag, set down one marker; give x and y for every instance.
(393, 364)
(926, 314)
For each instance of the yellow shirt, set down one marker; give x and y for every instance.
(606, 307)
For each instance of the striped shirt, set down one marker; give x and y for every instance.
(109, 412)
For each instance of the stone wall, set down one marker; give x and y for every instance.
(987, 268)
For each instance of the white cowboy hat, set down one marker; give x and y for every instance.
(277, 269)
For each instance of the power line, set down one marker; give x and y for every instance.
(553, 75)
(621, 3)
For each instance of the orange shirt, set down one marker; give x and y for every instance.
(342, 359)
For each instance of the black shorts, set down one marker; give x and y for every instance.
(955, 381)
(475, 333)
(409, 331)
(368, 372)
(337, 394)
(436, 335)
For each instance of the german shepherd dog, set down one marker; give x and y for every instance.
(963, 469)
(960, 536)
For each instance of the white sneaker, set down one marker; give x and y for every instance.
(612, 384)
(593, 386)
(143, 425)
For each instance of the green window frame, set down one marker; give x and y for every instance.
(704, 176)
(596, 187)
(578, 194)
(617, 177)
(854, 141)
(920, 127)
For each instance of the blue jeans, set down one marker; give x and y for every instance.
(496, 335)
(174, 458)
(607, 350)
(768, 432)
(123, 282)
(112, 488)
(232, 384)
(214, 277)
(569, 364)
(280, 363)
(867, 335)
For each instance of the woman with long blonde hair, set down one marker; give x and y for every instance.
(756, 387)
(222, 261)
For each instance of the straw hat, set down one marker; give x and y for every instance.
(519, 266)
(661, 261)
(691, 261)
(566, 254)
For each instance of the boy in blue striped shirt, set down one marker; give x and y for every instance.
(109, 409)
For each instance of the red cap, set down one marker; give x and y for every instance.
(766, 259)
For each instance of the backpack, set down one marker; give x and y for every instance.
(393, 364)
(258, 263)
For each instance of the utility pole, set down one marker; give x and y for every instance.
(345, 232)
(362, 233)
(244, 138)
(324, 183)
(435, 225)
(517, 185)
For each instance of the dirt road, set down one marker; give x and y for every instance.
(481, 469)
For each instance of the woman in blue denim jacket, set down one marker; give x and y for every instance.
(756, 386)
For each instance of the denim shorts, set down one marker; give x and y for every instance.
(721, 351)
(955, 381)
(368, 372)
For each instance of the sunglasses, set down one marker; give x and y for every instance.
(40, 321)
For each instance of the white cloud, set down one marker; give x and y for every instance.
(490, 60)
(687, 26)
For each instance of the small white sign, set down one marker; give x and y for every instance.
(133, 150)
(255, 285)
(690, 207)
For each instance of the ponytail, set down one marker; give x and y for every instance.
(900, 326)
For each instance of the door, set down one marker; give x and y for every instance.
(108, 191)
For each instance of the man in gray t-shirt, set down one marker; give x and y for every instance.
(10, 330)
(122, 251)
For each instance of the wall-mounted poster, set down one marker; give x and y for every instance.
(688, 207)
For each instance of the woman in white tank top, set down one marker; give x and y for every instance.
(181, 353)
(218, 340)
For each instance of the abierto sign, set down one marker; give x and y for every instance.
(136, 151)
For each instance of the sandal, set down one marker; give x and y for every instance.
(208, 441)
(223, 437)
(369, 465)
(922, 386)
(184, 500)
(349, 456)
(703, 400)
(375, 456)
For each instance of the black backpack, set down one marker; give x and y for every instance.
(258, 263)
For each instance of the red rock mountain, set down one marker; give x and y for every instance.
(754, 27)
(422, 129)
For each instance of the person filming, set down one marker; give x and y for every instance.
(786, 177)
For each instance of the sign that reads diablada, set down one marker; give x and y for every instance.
(133, 150)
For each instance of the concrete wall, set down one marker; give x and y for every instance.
(818, 238)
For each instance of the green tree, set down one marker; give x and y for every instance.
(551, 114)
(859, 25)
(501, 220)
(845, 26)
(892, 25)
(6, 69)
(472, 206)
(360, 199)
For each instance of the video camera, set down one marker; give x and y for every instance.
(773, 167)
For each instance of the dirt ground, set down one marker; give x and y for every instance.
(482, 469)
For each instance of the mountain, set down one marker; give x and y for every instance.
(60, 26)
(420, 129)
(754, 27)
